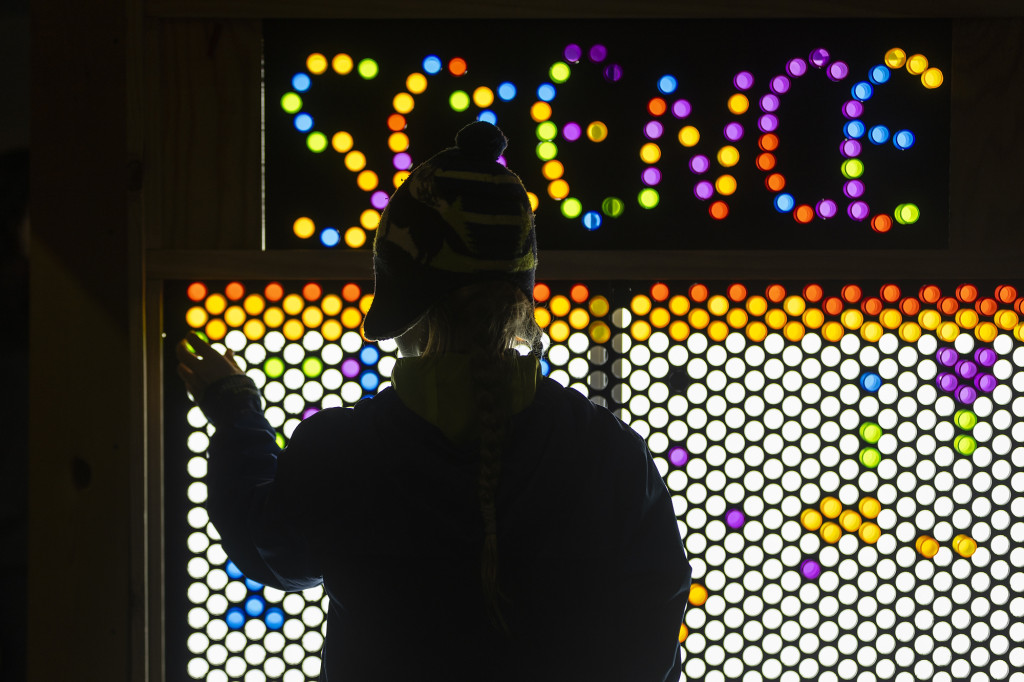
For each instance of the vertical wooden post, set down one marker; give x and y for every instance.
(208, 120)
(87, 586)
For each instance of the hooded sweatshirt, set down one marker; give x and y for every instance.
(380, 504)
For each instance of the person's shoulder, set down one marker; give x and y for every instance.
(322, 425)
(549, 390)
(593, 422)
(328, 436)
(333, 418)
(596, 446)
(553, 398)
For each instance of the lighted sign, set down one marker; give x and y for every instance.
(670, 135)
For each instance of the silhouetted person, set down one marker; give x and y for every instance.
(476, 521)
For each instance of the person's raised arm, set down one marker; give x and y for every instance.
(260, 531)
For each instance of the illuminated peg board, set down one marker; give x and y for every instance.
(635, 134)
(845, 460)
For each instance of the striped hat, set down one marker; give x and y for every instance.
(459, 218)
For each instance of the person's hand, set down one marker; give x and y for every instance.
(203, 367)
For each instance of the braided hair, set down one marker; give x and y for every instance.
(488, 321)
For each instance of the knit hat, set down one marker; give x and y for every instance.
(459, 218)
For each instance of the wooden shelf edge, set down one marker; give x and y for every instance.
(611, 265)
(695, 9)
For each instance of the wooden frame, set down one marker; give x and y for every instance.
(146, 168)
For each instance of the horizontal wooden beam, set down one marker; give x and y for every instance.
(624, 265)
(697, 9)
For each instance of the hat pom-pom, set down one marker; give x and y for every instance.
(481, 140)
